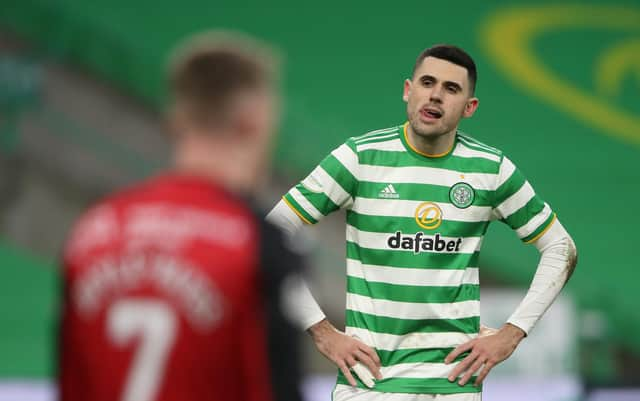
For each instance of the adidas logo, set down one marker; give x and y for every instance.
(389, 192)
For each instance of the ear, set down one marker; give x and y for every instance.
(470, 107)
(176, 122)
(243, 126)
(407, 89)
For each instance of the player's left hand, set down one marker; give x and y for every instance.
(487, 350)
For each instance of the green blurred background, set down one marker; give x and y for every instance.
(559, 89)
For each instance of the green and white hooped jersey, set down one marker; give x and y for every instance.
(415, 225)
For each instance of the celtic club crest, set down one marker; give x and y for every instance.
(462, 195)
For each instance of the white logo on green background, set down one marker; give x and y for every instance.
(462, 195)
(389, 192)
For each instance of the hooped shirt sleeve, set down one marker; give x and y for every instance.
(329, 187)
(518, 205)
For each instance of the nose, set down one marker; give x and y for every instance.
(436, 94)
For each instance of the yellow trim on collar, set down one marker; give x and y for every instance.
(406, 138)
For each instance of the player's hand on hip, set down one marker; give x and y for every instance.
(347, 352)
(486, 331)
(486, 351)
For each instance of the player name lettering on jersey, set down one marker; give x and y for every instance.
(170, 227)
(97, 228)
(110, 276)
(419, 242)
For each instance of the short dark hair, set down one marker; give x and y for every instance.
(209, 69)
(454, 55)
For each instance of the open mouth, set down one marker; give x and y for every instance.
(431, 113)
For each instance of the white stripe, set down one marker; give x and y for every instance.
(407, 208)
(305, 204)
(406, 276)
(534, 223)
(393, 190)
(412, 310)
(371, 134)
(474, 142)
(394, 145)
(374, 240)
(422, 370)
(425, 175)
(343, 392)
(347, 158)
(393, 342)
(390, 139)
(332, 188)
(377, 131)
(516, 201)
(464, 151)
(376, 138)
(506, 170)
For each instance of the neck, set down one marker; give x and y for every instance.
(433, 146)
(220, 162)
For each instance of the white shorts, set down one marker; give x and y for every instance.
(348, 393)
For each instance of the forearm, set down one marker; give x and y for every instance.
(301, 306)
(490, 348)
(557, 263)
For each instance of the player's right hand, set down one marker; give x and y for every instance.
(348, 353)
(486, 331)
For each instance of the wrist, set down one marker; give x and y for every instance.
(319, 329)
(513, 331)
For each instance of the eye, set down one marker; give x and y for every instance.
(427, 82)
(452, 89)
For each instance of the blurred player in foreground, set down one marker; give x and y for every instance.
(172, 286)
(419, 198)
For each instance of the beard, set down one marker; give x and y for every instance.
(444, 125)
(426, 130)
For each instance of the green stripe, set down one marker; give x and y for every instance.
(471, 140)
(416, 386)
(416, 355)
(413, 293)
(404, 159)
(418, 192)
(476, 146)
(339, 173)
(488, 153)
(385, 224)
(318, 199)
(400, 327)
(352, 145)
(509, 187)
(423, 260)
(299, 209)
(523, 215)
(377, 132)
(389, 136)
(540, 229)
